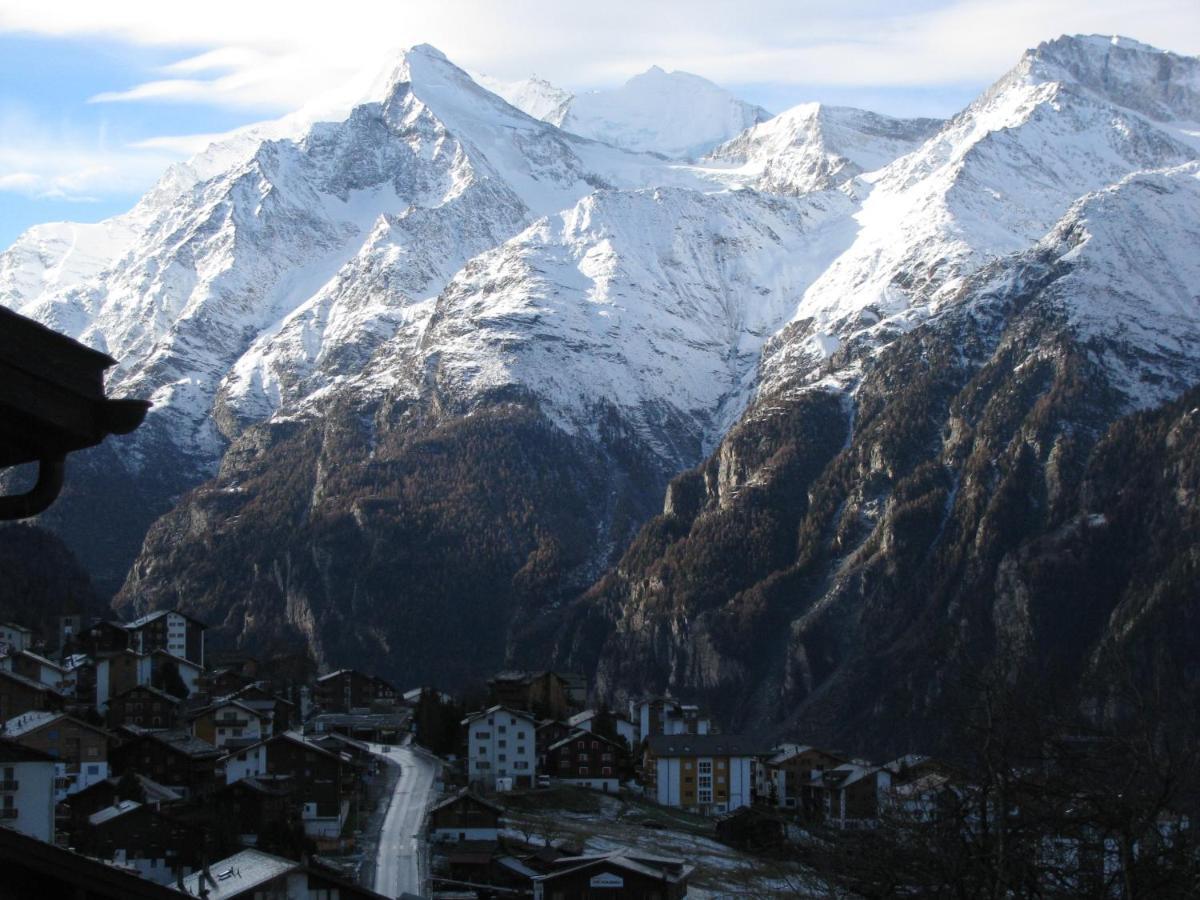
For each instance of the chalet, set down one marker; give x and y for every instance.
(19, 695)
(103, 794)
(586, 760)
(223, 682)
(80, 749)
(118, 672)
(324, 779)
(177, 759)
(346, 690)
(464, 817)
(281, 714)
(382, 728)
(145, 707)
(848, 795)
(254, 874)
(255, 806)
(230, 720)
(705, 773)
(168, 629)
(104, 637)
(551, 731)
(27, 794)
(500, 748)
(621, 875)
(620, 725)
(138, 836)
(790, 766)
(543, 693)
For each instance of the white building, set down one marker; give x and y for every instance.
(500, 745)
(27, 790)
(15, 638)
(248, 762)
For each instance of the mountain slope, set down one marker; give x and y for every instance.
(845, 559)
(813, 147)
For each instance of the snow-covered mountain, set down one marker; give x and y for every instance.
(445, 355)
(676, 114)
(812, 147)
(992, 181)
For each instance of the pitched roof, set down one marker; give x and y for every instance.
(467, 794)
(707, 745)
(575, 735)
(153, 616)
(150, 689)
(13, 752)
(183, 742)
(30, 721)
(494, 709)
(112, 812)
(239, 874)
(29, 682)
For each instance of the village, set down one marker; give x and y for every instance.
(132, 755)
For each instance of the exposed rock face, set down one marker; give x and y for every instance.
(839, 567)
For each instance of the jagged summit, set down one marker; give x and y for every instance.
(814, 146)
(1159, 84)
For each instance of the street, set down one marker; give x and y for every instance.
(399, 859)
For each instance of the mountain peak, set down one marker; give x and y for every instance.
(1156, 83)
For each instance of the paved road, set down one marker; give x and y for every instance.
(400, 858)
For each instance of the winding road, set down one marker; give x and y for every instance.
(400, 858)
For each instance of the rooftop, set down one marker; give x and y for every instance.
(30, 721)
(238, 874)
(12, 752)
(706, 745)
(112, 812)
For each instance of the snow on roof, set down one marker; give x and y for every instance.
(467, 794)
(30, 721)
(575, 735)
(238, 874)
(111, 812)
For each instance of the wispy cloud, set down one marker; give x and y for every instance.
(65, 164)
(262, 59)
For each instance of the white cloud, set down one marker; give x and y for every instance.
(265, 58)
(37, 161)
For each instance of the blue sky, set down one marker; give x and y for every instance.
(97, 99)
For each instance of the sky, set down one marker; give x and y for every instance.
(97, 99)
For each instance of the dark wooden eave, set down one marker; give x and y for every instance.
(52, 403)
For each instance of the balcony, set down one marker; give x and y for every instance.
(9, 786)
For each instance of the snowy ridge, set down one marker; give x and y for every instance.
(993, 181)
(656, 302)
(439, 228)
(812, 147)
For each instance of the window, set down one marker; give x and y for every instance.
(688, 765)
(583, 771)
(502, 729)
(483, 735)
(704, 796)
(513, 719)
(606, 771)
(706, 767)
(501, 743)
(502, 758)
(521, 765)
